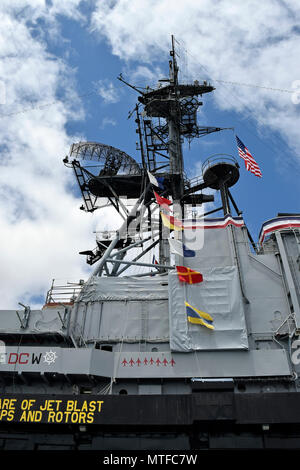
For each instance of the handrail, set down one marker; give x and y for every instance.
(216, 158)
(63, 293)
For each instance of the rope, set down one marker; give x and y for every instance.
(251, 113)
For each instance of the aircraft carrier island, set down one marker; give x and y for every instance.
(199, 348)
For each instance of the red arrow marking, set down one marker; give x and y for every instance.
(138, 362)
(165, 362)
(145, 361)
(172, 362)
(131, 362)
(124, 362)
(151, 361)
(157, 362)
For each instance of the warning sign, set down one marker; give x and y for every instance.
(48, 410)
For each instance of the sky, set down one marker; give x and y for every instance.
(59, 62)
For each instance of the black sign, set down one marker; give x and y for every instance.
(50, 409)
(116, 410)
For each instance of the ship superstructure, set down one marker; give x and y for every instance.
(116, 362)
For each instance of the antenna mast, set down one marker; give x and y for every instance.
(169, 114)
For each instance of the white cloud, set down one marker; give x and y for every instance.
(107, 121)
(249, 42)
(68, 8)
(107, 91)
(144, 76)
(42, 229)
(37, 9)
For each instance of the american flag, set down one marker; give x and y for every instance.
(250, 163)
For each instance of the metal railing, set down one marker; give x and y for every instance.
(63, 293)
(219, 158)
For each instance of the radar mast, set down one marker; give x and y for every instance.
(165, 116)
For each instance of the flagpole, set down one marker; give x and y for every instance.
(175, 148)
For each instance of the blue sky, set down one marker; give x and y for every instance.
(259, 199)
(70, 53)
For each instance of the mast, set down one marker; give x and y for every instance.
(168, 115)
(175, 147)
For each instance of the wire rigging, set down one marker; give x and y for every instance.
(250, 112)
(184, 73)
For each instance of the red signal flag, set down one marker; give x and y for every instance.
(162, 201)
(188, 275)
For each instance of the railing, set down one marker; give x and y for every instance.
(219, 158)
(194, 181)
(132, 232)
(64, 294)
(100, 169)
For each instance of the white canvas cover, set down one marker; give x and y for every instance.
(219, 295)
(129, 309)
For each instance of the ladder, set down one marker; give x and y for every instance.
(89, 206)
